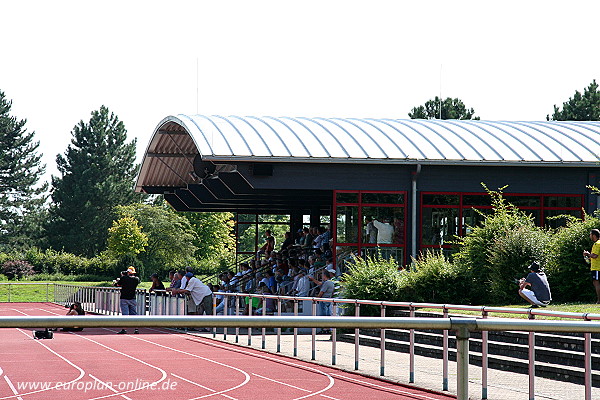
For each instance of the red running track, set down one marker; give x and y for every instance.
(161, 364)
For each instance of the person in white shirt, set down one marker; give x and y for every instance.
(385, 231)
(200, 293)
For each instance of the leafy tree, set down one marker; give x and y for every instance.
(21, 195)
(580, 107)
(97, 173)
(451, 109)
(215, 240)
(170, 235)
(126, 237)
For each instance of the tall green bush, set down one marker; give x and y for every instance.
(474, 251)
(371, 278)
(510, 256)
(434, 279)
(568, 274)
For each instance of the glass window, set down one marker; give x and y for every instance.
(246, 238)
(283, 218)
(523, 201)
(347, 197)
(344, 257)
(473, 218)
(325, 219)
(247, 217)
(440, 200)
(393, 215)
(383, 198)
(558, 222)
(440, 225)
(347, 224)
(396, 253)
(562, 201)
(477, 200)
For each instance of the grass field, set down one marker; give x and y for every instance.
(44, 291)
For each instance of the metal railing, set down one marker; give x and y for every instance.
(105, 301)
(462, 326)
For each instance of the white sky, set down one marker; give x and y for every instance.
(509, 60)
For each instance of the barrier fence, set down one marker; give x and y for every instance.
(164, 310)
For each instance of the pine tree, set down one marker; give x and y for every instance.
(450, 109)
(98, 171)
(21, 193)
(580, 107)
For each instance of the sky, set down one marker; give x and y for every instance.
(146, 60)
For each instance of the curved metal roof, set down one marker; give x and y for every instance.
(177, 139)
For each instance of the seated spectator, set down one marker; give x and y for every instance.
(75, 310)
(269, 245)
(156, 283)
(287, 243)
(267, 303)
(255, 301)
(539, 295)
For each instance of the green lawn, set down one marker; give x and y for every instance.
(565, 307)
(36, 291)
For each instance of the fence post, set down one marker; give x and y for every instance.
(314, 331)
(484, 359)
(531, 361)
(445, 355)
(356, 336)
(411, 350)
(462, 363)
(334, 336)
(382, 344)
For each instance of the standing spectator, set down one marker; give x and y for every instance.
(326, 290)
(128, 284)
(201, 295)
(385, 231)
(269, 245)
(371, 231)
(156, 283)
(539, 295)
(594, 260)
(184, 276)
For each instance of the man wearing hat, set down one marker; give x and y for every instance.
(200, 293)
(128, 283)
(539, 295)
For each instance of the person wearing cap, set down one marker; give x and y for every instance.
(593, 258)
(200, 294)
(128, 284)
(539, 295)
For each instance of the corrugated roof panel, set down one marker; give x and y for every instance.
(177, 140)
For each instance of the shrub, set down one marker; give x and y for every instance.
(510, 256)
(16, 269)
(568, 274)
(435, 279)
(474, 249)
(371, 278)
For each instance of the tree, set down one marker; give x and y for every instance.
(171, 238)
(125, 237)
(451, 109)
(98, 171)
(580, 107)
(21, 194)
(215, 239)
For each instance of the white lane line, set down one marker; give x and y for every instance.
(109, 387)
(199, 385)
(289, 363)
(385, 387)
(292, 386)
(81, 371)
(247, 376)
(162, 371)
(183, 352)
(12, 387)
(1, 372)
